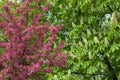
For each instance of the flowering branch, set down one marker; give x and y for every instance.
(26, 50)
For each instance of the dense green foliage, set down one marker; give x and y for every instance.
(91, 29)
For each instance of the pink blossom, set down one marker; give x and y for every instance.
(23, 20)
(52, 38)
(24, 13)
(48, 62)
(10, 25)
(7, 55)
(45, 9)
(11, 30)
(26, 2)
(1, 77)
(30, 57)
(26, 37)
(19, 10)
(3, 44)
(46, 25)
(6, 7)
(1, 24)
(36, 16)
(18, 24)
(54, 30)
(47, 47)
(36, 67)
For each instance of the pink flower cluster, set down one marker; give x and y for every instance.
(23, 58)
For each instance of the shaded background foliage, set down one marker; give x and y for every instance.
(91, 30)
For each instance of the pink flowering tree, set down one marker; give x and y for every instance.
(29, 43)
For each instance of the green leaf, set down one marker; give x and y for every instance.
(91, 70)
(114, 47)
(85, 64)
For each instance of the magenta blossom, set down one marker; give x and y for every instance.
(29, 44)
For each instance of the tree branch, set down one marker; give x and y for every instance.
(110, 9)
(111, 69)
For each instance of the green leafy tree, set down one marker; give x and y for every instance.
(91, 28)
